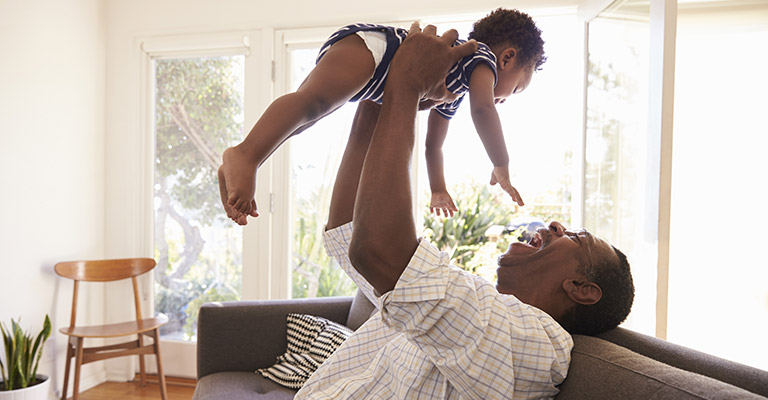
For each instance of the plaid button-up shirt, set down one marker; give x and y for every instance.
(442, 333)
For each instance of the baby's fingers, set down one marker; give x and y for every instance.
(515, 195)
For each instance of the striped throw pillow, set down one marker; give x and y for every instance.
(311, 340)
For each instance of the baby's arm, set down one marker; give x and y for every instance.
(437, 129)
(488, 126)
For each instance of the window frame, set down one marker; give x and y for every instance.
(662, 26)
(256, 47)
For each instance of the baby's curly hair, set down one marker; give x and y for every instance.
(512, 28)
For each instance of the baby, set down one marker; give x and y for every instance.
(353, 66)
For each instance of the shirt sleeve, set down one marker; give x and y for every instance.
(488, 345)
(336, 243)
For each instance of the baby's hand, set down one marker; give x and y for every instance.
(500, 175)
(442, 201)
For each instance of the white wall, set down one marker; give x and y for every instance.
(52, 78)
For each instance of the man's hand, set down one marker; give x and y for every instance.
(500, 175)
(422, 62)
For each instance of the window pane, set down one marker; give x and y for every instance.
(198, 113)
(541, 128)
(718, 297)
(315, 157)
(616, 149)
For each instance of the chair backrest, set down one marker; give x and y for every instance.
(104, 271)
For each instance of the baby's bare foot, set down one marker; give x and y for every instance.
(238, 217)
(237, 184)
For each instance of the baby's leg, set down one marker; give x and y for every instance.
(344, 70)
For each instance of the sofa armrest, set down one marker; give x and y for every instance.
(246, 335)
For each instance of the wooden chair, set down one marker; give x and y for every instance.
(106, 271)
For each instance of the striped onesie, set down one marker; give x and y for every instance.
(457, 80)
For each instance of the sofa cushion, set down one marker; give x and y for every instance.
(603, 370)
(240, 385)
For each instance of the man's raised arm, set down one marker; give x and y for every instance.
(384, 235)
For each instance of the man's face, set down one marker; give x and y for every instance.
(554, 255)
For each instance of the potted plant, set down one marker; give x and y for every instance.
(19, 379)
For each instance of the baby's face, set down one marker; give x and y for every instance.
(511, 81)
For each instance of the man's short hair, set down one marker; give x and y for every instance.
(615, 281)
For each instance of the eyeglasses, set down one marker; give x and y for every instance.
(577, 235)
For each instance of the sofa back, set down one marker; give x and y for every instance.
(662, 367)
(604, 370)
(743, 376)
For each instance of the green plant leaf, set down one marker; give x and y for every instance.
(37, 350)
(22, 355)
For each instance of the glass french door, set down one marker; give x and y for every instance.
(198, 114)
(314, 157)
(627, 142)
(202, 94)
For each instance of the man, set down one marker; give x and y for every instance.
(442, 333)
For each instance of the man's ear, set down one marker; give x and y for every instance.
(507, 58)
(582, 291)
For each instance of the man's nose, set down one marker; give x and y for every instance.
(557, 228)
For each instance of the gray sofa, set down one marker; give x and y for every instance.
(236, 338)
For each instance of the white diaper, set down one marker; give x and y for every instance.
(377, 44)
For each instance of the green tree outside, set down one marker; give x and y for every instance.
(198, 114)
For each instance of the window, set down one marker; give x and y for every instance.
(710, 293)
(617, 147)
(200, 94)
(541, 128)
(198, 113)
(541, 149)
(315, 156)
(718, 299)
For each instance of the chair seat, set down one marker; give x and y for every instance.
(116, 330)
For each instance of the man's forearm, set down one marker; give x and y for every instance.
(384, 235)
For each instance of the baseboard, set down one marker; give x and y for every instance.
(87, 381)
(169, 380)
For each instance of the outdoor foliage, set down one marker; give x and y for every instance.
(22, 355)
(198, 114)
(314, 273)
(463, 235)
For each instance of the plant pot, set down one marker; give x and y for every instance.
(36, 392)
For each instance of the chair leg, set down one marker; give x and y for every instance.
(70, 354)
(142, 371)
(78, 365)
(160, 374)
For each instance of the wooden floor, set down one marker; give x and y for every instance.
(177, 390)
